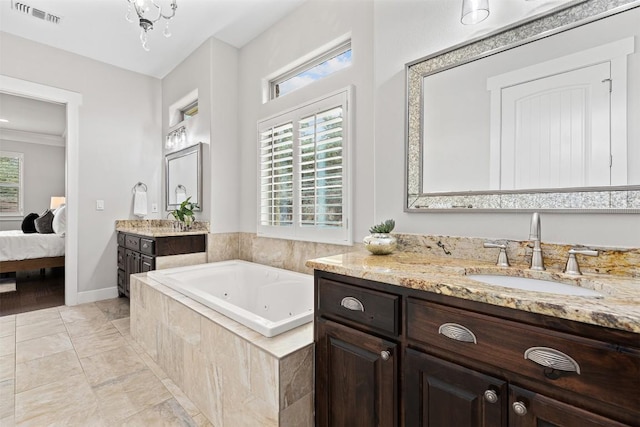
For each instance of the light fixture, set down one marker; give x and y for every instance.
(177, 138)
(56, 202)
(474, 11)
(148, 14)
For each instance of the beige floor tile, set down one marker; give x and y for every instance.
(202, 421)
(168, 413)
(113, 309)
(89, 345)
(125, 396)
(112, 364)
(7, 398)
(82, 328)
(8, 328)
(123, 325)
(38, 316)
(7, 345)
(41, 347)
(9, 421)
(182, 399)
(9, 318)
(41, 329)
(68, 402)
(155, 368)
(7, 367)
(81, 312)
(45, 370)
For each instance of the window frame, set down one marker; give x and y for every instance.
(341, 235)
(306, 66)
(20, 185)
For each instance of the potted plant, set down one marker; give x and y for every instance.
(184, 214)
(380, 242)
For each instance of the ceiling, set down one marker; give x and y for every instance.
(98, 29)
(31, 120)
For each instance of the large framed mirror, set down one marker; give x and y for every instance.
(540, 116)
(183, 173)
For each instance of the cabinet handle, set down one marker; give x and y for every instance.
(457, 332)
(385, 355)
(491, 396)
(351, 303)
(519, 408)
(552, 358)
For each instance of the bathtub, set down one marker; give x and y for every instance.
(266, 299)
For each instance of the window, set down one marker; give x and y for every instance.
(303, 181)
(320, 67)
(11, 194)
(189, 111)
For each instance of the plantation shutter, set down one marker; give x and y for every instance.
(10, 183)
(303, 158)
(321, 169)
(276, 175)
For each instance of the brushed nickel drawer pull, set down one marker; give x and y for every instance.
(552, 358)
(519, 408)
(351, 303)
(385, 355)
(457, 332)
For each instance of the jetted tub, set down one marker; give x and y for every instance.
(266, 299)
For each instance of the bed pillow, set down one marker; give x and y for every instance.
(43, 224)
(59, 223)
(28, 225)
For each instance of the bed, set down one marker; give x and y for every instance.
(30, 251)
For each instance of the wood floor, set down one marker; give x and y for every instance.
(34, 292)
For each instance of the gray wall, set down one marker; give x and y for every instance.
(44, 167)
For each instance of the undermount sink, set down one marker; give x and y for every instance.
(536, 285)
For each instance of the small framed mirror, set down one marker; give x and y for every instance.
(183, 173)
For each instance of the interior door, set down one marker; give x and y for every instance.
(556, 131)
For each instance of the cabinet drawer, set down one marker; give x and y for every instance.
(132, 242)
(121, 238)
(147, 246)
(121, 257)
(370, 308)
(530, 351)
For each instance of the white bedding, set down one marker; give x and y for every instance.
(16, 245)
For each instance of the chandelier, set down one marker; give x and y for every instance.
(148, 14)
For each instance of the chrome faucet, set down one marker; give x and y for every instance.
(572, 267)
(535, 233)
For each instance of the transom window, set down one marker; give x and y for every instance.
(318, 68)
(11, 183)
(303, 181)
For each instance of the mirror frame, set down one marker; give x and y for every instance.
(197, 148)
(622, 199)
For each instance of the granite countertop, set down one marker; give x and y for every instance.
(619, 308)
(159, 228)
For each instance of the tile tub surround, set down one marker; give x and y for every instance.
(79, 366)
(234, 375)
(158, 227)
(618, 309)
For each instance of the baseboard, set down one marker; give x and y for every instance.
(97, 295)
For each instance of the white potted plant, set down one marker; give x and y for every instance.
(380, 241)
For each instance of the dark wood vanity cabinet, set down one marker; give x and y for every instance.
(458, 363)
(137, 253)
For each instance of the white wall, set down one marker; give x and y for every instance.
(119, 144)
(306, 29)
(212, 70)
(406, 30)
(43, 177)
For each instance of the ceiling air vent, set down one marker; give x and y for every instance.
(26, 9)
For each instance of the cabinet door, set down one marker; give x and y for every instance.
(528, 409)
(356, 378)
(442, 394)
(132, 265)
